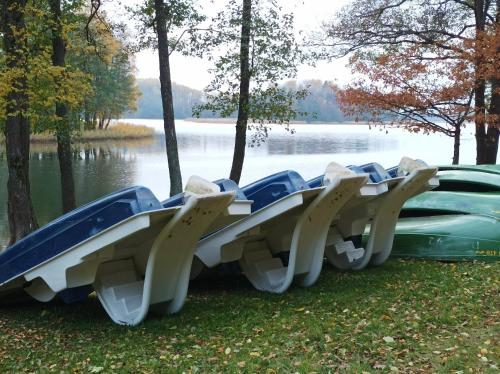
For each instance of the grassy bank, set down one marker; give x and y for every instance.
(412, 317)
(119, 131)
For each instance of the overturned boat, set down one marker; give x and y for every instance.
(459, 220)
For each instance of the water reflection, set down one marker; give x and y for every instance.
(98, 170)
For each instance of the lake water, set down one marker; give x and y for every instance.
(206, 150)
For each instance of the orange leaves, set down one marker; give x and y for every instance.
(413, 86)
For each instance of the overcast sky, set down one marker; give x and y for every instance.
(309, 14)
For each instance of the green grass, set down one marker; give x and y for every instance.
(406, 316)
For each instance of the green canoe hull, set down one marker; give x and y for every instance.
(450, 202)
(448, 237)
(459, 220)
(468, 180)
(493, 169)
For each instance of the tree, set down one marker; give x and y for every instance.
(452, 29)
(161, 15)
(16, 126)
(108, 64)
(407, 89)
(149, 103)
(260, 50)
(170, 21)
(320, 105)
(63, 131)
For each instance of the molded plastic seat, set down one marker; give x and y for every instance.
(224, 184)
(230, 185)
(376, 171)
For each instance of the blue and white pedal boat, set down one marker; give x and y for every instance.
(288, 216)
(377, 207)
(134, 251)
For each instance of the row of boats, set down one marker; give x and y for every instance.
(138, 254)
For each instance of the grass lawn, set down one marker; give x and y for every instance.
(406, 316)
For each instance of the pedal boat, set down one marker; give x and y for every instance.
(283, 239)
(134, 251)
(376, 207)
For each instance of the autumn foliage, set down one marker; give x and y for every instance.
(424, 66)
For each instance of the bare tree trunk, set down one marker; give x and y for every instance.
(63, 132)
(101, 122)
(456, 144)
(17, 131)
(174, 169)
(243, 109)
(94, 121)
(480, 89)
(492, 135)
(107, 123)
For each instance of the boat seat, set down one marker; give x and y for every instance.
(230, 185)
(376, 171)
(224, 184)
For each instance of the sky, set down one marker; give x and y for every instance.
(309, 14)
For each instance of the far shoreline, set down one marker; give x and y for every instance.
(232, 121)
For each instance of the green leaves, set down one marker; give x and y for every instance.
(273, 57)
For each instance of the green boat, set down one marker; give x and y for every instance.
(494, 169)
(459, 220)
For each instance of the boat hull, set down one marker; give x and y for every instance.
(451, 237)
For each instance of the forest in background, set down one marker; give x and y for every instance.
(319, 106)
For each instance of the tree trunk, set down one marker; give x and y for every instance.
(492, 135)
(17, 131)
(107, 123)
(63, 133)
(243, 109)
(87, 120)
(456, 145)
(479, 88)
(174, 169)
(94, 121)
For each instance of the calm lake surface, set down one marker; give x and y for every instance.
(206, 150)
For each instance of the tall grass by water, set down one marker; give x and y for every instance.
(118, 131)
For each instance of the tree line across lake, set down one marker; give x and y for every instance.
(320, 105)
(67, 66)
